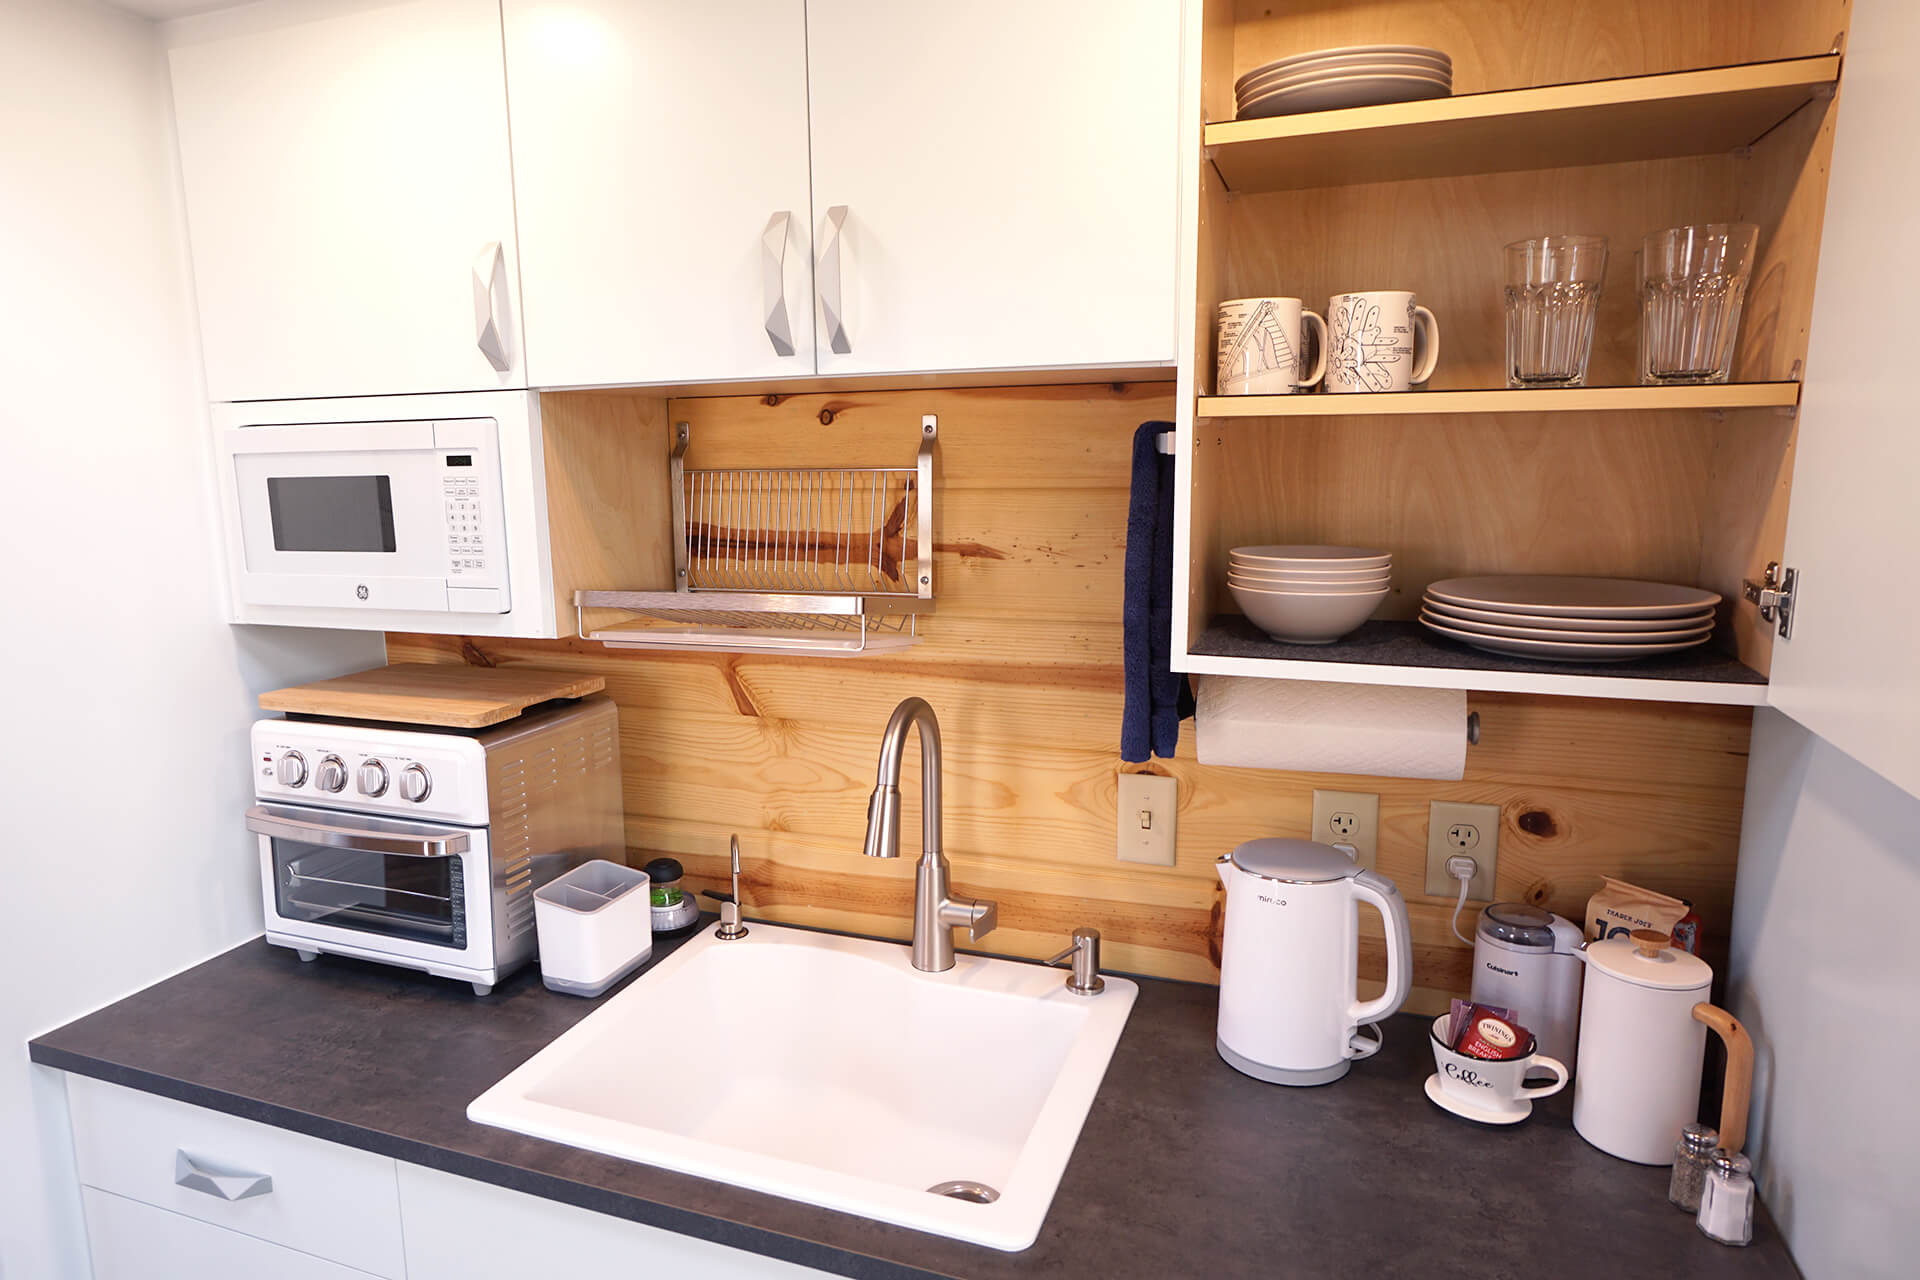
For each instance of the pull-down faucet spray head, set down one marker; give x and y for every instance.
(883, 822)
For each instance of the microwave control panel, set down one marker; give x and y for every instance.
(466, 529)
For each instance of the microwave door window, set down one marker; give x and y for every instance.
(331, 513)
(392, 895)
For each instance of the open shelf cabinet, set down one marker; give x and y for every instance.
(1774, 395)
(1560, 125)
(1682, 113)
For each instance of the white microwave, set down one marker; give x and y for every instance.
(422, 513)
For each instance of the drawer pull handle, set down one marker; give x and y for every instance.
(189, 1173)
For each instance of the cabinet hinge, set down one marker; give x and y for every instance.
(1774, 595)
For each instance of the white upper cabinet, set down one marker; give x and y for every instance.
(350, 198)
(994, 183)
(660, 164)
(1848, 670)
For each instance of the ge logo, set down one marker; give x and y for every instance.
(361, 591)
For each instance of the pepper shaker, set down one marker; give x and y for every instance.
(1726, 1203)
(1691, 1157)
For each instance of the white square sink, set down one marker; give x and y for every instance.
(829, 1070)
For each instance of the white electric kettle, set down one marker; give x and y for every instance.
(1291, 958)
(1643, 1036)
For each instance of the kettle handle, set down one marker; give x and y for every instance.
(1736, 1093)
(1381, 892)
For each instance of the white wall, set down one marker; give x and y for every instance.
(123, 757)
(1825, 972)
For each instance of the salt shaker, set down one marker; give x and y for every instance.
(1691, 1157)
(1726, 1203)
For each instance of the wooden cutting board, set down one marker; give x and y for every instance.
(450, 695)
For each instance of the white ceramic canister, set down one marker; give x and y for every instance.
(1643, 1036)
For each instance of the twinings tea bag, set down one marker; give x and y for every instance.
(1619, 908)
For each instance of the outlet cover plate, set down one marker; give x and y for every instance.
(1472, 829)
(1350, 817)
(1146, 819)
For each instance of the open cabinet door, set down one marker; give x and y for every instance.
(1850, 671)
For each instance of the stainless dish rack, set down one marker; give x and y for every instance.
(830, 560)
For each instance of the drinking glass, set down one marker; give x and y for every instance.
(1553, 294)
(1692, 282)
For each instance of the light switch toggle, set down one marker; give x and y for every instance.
(1145, 818)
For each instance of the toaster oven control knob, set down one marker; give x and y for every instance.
(414, 783)
(290, 770)
(373, 778)
(331, 775)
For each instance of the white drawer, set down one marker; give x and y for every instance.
(463, 1230)
(327, 1200)
(134, 1241)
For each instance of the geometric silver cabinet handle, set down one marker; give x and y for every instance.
(490, 305)
(224, 1185)
(773, 282)
(830, 283)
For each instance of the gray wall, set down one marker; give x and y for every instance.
(1825, 972)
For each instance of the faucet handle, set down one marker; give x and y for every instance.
(1085, 953)
(983, 918)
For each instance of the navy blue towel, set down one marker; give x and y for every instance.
(1158, 698)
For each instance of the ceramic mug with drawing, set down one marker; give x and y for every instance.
(1379, 341)
(1261, 347)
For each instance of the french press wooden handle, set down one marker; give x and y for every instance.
(1737, 1090)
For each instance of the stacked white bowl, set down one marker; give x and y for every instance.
(1308, 594)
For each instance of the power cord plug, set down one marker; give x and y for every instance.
(1463, 869)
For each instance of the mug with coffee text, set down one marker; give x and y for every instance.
(1260, 346)
(1379, 341)
(1493, 1085)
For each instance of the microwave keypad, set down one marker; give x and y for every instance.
(466, 540)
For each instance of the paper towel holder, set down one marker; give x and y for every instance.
(1473, 728)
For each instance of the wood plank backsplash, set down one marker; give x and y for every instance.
(1022, 663)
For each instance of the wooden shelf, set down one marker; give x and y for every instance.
(1682, 113)
(1732, 395)
(1405, 653)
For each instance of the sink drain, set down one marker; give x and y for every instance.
(972, 1192)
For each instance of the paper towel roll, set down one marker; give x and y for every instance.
(1308, 726)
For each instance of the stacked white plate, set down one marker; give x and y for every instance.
(1361, 75)
(1308, 594)
(1570, 619)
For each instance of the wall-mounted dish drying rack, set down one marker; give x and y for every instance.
(825, 560)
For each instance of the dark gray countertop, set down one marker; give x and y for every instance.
(1185, 1167)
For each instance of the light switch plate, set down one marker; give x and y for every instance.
(1147, 804)
(1349, 817)
(1472, 829)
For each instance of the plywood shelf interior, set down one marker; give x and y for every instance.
(1759, 395)
(1651, 117)
(1401, 653)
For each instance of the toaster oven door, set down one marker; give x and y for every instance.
(380, 878)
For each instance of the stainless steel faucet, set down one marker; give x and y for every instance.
(936, 912)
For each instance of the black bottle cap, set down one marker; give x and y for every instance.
(663, 870)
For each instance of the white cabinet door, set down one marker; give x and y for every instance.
(1849, 672)
(346, 175)
(660, 164)
(458, 1229)
(134, 1241)
(1008, 175)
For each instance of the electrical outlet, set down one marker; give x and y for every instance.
(1349, 817)
(1147, 805)
(1456, 829)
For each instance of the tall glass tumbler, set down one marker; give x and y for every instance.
(1553, 295)
(1692, 282)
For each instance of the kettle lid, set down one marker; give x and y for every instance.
(1648, 958)
(1294, 861)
